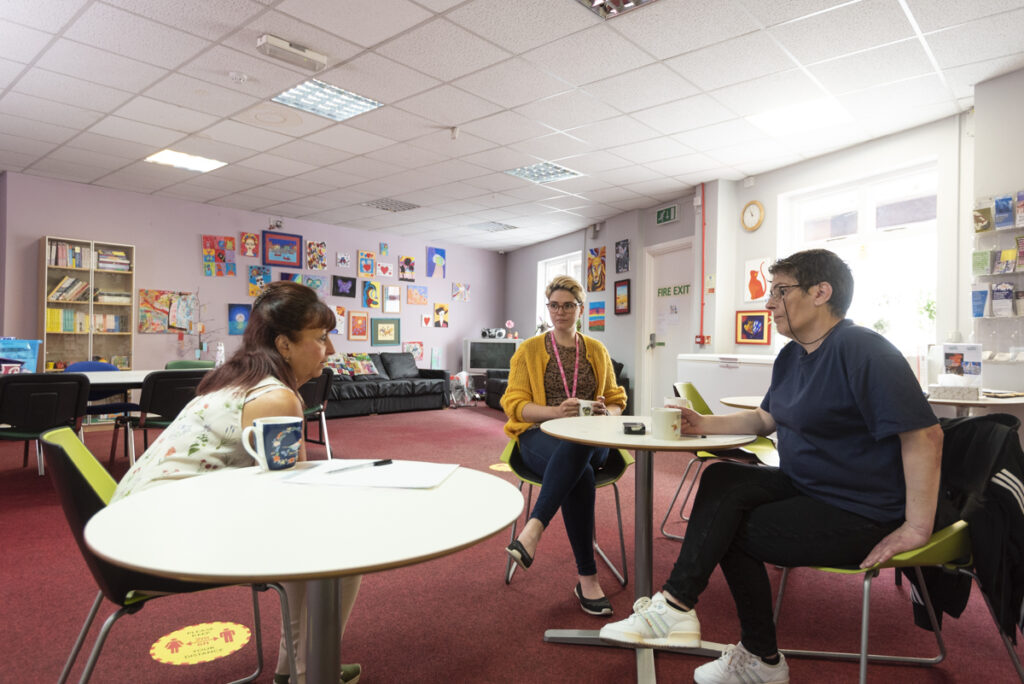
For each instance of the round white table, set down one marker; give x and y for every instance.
(751, 401)
(240, 526)
(964, 406)
(607, 431)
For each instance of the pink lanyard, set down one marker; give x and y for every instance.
(575, 371)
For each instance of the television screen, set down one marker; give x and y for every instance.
(481, 355)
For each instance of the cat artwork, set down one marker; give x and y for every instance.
(757, 284)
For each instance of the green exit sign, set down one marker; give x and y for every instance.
(666, 215)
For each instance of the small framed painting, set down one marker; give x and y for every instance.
(358, 326)
(282, 249)
(392, 301)
(753, 327)
(343, 287)
(385, 332)
(622, 296)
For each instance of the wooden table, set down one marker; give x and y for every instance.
(239, 526)
(607, 431)
(751, 401)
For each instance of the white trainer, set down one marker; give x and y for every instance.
(655, 623)
(739, 666)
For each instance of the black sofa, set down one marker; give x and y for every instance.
(397, 386)
(496, 381)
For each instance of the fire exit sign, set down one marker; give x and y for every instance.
(666, 215)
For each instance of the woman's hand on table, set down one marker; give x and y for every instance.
(692, 421)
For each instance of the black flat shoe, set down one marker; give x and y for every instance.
(601, 607)
(518, 553)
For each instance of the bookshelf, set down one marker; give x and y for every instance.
(87, 294)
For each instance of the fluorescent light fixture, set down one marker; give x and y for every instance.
(323, 99)
(606, 9)
(802, 116)
(185, 161)
(544, 172)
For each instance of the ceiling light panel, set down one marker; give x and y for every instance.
(181, 160)
(545, 172)
(608, 9)
(492, 227)
(392, 205)
(323, 99)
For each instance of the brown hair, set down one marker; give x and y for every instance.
(567, 283)
(282, 308)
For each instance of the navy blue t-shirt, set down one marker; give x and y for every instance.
(839, 412)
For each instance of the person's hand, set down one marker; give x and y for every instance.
(569, 407)
(903, 538)
(599, 408)
(691, 424)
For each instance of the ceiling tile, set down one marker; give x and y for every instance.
(305, 151)
(720, 135)
(264, 79)
(618, 131)
(251, 177)
(771, 12)
(750, 151)
(287, 27)
(279, 118)
(885, 64)
(275, 164)
(244, 135)
(590, 55)
(45, 15)
(105, 68)
(501, 159)
(680, 165)
(75, 155)
(915, 92)
(210, 20)
(448, 106)
(34, 130)
(406, 156)
(651, 150)
(60, 88)
(594, 162)
(846, 29)
(26, 146)
(669, 27)
(366, 28)
(443, 50)
(496, 182)
(378, 78)
(136, 131)
(963, 79)
(213, 149)
(554, 146)
(535, 23)
(511, 83)
(978, 40)
(730, 61)
(238, 201)
(568, 110)
(393, 123)
(364, 167)
(222, 186)
(348, 139)
(200, 95)
(331, 178)
(302, 187)
(21, 43)
(133, 36)
(189, 192)
(768, 92)
(505, 128)
(111, 145)
(9, 70)
(61, 114)
(932, 15)
(145, 177)
(683, 115)
(56, 168)
(164, 114)
(641, 88)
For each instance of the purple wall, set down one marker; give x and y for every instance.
(167, 237)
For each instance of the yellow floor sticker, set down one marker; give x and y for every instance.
(503, 467)
(200, 643)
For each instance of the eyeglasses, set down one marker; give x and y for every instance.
(568, 307)
(779, 291)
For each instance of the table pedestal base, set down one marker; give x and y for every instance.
(323, 648)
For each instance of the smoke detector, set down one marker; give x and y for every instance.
(299, 55)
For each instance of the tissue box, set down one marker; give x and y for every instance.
(952, 392)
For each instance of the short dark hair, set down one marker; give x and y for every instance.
(282, 308)
(813, 266)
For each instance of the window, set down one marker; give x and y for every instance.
(568, 264)
(885, 228)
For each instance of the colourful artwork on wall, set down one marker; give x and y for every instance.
(460, 292)
(416, 294)
(622, 256)
(596, 317)
(282, 249)
(365, 265)
(317, 282)
(219, 256)
(427, 320)
(290, 276)
(437, 262)
(622, 296)
(249, 244)
(371, 294)
(238, 318)
(358, 326)
(440, 315)
(343, 259)
(414, 348)
(385, 270)
(343, 287)
(316, 255)
(162, 311)
(382, 249)
(755, 280)
(385, 332)
(259, 276)
(407, 268)
(754, 327)
(392, 302)
(595, 269)
(339, 320)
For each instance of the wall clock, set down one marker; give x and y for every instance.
(752, 216)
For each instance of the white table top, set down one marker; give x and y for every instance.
(245, 525)
(607, 431)
(751, 401)
(127, 378)
(986, 402)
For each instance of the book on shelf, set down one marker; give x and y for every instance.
(1020, 211)
(69, 290)
(120, 361)
(1002, 299)
(979, 301)
(67, 255)
(1006, 261)
(104, 297)
(112, 260)
(983, 216)
(1003, 212)
(982, 261)
(1018, 302)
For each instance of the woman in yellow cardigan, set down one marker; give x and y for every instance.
(543, 385)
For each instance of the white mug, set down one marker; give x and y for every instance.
(666, 423)
(277, 441)
(586, 407)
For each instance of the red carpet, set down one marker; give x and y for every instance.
(452, 619)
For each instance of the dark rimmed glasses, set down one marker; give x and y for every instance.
(568, 307)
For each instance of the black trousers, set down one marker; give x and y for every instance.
(745, 516)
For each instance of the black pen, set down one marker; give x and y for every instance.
(386, 461)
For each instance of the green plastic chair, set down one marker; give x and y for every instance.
(188, 364)
(761, 449)
(949, 549)
(614, 468)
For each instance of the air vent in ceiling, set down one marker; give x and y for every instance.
(493, 227)
(388, 204)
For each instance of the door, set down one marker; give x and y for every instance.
(670, 292)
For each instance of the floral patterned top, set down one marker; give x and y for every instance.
(206, 436)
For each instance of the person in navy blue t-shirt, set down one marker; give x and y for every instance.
(860, 452)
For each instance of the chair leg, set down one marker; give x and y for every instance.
(81, 639)
(324, 436)
(286, 620)
(258, 634)
(623, 576)
(118, 424)
(24, 458)
(129, 435)
(39, 458)
(1014, 658)
(510, 565)
(100, 640)
(699, 464)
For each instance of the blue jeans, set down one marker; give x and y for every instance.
(567, 473)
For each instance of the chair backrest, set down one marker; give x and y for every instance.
(686, 390)
(95, 367)
(33, 402)
(166, 392)
(183, 364)
(315, 392)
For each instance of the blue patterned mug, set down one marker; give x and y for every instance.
(277, 441)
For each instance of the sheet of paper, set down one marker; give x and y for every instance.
(397, 474)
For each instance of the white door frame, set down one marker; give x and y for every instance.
(640, 396)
